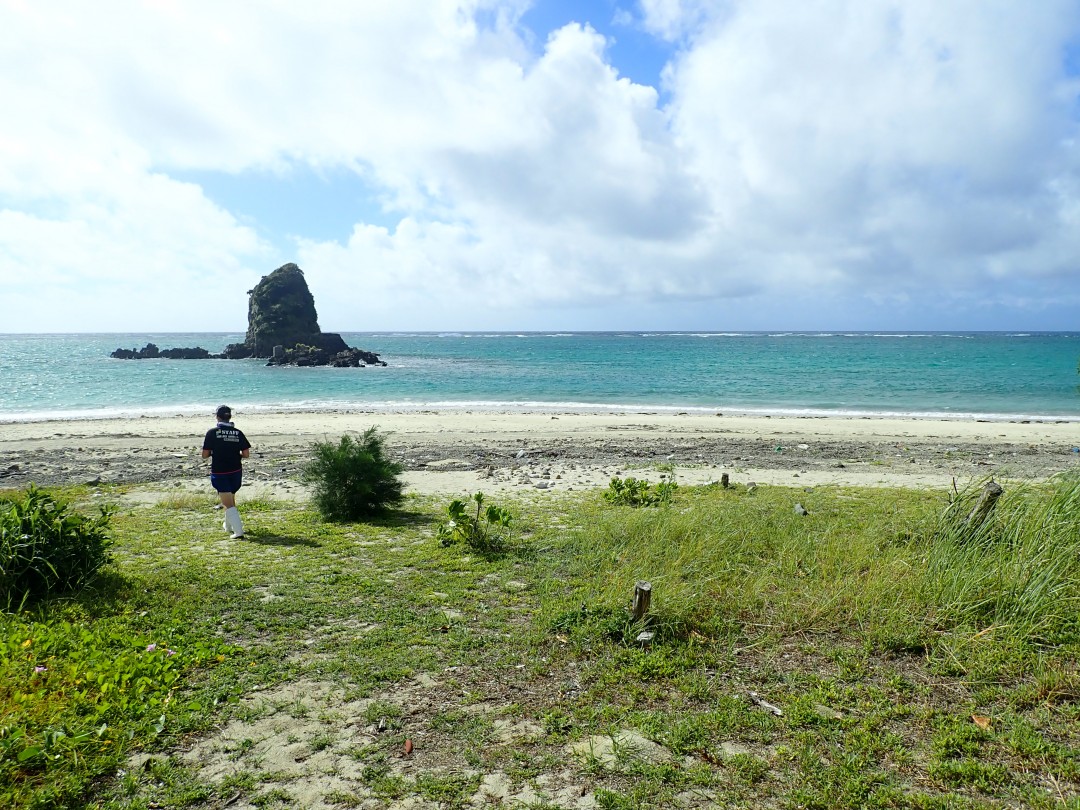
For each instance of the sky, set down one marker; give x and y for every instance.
(542, 164)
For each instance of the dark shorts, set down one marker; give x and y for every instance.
(226, 482)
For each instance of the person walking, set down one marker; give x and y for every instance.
(225, 444)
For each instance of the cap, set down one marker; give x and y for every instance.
(223, 411)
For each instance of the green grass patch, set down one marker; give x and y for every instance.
(913, 661)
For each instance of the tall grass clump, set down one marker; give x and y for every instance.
(46, 548)
(353, 479)
(720, 558)
(899, 569)
(1017, 574)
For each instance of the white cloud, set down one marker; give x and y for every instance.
(675, 19)
(907, 151)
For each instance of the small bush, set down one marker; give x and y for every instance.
(45, 549)
(632, 492)
(353, 479)
(486, 531)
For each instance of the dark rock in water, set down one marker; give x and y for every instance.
(282, 326)
(301, 355)
(147, 352)
(236, 351)
(281, 312)
(195, 353)
(332, 342)
(151, 352)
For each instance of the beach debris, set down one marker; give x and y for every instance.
(981, 721)
(541, 485)
(751, 486)
(779, 448)
(408, 747)
(757, 700)
(804, 447)
(725, 480)
(645, 638)
(801, 510)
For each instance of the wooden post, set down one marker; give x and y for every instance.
(725, 481)
(642, 597)
(985, 505)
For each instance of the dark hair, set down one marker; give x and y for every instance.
(224, 412)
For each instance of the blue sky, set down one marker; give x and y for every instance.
(505, 164)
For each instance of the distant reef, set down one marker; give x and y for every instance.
(283, 327)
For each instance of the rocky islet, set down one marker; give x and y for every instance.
(283, 328)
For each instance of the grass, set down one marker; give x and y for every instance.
(367, 660)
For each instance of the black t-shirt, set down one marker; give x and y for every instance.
(225, 444)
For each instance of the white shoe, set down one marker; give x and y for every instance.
(232, 518)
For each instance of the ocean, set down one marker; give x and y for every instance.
(1000, 376)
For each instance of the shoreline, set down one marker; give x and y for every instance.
(458, 452)
(526, 408)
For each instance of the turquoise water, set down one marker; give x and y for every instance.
(987, 375)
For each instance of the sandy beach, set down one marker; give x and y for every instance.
(462, 452)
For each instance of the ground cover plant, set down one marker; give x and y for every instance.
(85, 672)
(47, 548)
(639, 492)
(871, 653)
(487, 531)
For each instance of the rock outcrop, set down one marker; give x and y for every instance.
(283, 326)
(150, 351)
(281, 312)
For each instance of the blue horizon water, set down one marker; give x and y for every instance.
(987, 375)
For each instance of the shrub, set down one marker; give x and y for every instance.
(353, 479)
(482, 531)
(45, 549)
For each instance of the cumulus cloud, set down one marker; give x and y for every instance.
(891, 152)
(885, 140)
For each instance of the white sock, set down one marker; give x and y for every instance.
(232, 517)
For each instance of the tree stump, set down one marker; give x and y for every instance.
(988, 498)
(642, 597)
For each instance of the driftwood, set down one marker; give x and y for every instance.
(988, 498)
(642, 597)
